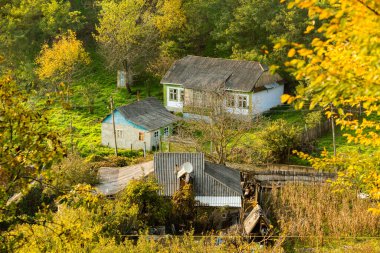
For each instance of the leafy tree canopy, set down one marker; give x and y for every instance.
(340, 70)
(25, 24)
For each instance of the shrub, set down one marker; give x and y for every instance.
(73, 170)
(274, 142)
(312, 119)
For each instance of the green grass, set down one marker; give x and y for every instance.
(86, 126)
(287, 113)
(342, 146)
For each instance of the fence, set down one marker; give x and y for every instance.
(310, 134)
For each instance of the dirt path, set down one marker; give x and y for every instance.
(113, 180)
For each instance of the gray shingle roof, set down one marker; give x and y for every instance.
(148, 113)
(205, 73)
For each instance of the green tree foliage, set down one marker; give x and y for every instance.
(129, 32)
(143, 195)
(254, 28)
(71, 171)
(27, 145)
(312, 119)
(276, 141)
(183, 204)
(25, 24)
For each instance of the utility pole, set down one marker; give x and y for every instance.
(113, 125)
(71, 135)
(333, 128)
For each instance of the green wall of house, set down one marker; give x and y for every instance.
(165, 89)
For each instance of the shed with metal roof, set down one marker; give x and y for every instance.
(213, 184)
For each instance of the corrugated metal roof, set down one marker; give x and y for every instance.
(148, 113)
(234, 201)
(205, 73)
(165, 165)
(205, 181)
(225, 175)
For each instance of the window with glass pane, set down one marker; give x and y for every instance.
(166, 131)
(156, 134)
(231, 101)
(173, 94)
(141, 136)
(243, 102)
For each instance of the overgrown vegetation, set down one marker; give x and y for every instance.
(45, 205)
(318, 215)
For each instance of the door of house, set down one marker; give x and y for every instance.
(156, 140)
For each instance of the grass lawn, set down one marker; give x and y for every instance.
(85, 132)
(342, 146)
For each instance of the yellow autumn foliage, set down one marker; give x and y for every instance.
(341, 68)
(61, 60)
(171, 17)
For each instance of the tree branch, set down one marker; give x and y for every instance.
(369, 7)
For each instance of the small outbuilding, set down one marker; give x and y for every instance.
(139, 125)
(213, 184)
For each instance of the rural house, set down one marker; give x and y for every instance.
(249, 86)
(138, 125)
(213, 184)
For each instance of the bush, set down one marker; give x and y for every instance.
(273, 144)
(312, 119)
(73, 170)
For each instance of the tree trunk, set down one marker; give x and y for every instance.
(129, 79)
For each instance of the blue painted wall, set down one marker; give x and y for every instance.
(120, 120)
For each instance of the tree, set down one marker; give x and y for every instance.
(183, 203)
(278, 138)
(26, 24)
(216, 132)
(60, 62)
(143, 195)
(129, 32)
(27, 145)
(340, 68)
(253, 26)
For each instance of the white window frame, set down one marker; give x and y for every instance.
(173, 94)
(156, 134)
(166, 131)
(242, 102)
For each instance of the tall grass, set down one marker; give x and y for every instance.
(316, 215)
